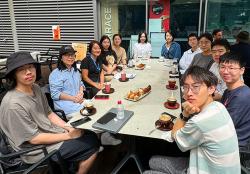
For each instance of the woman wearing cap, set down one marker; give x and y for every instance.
(171, 49)
(27, 120)
(109, 57)
(65, 83)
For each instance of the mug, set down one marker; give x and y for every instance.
(107, 87)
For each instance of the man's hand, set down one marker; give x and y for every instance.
(189, 109)
(74, 133)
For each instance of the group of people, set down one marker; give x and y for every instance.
(213, 131)
(214, 123)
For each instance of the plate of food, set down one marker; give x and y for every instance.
(140, 66)
(136, 95)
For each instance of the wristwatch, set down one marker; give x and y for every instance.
(182, 117)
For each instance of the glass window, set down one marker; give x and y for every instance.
(126, 17)
(184, 17)
(230, 16)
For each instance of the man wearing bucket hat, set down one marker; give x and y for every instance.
(27, 120)
(242, 47)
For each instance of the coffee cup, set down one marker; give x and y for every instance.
(171, 83)
(107, 87)
(173, 69)
(123, 76)
(172, 101)
(89, 107)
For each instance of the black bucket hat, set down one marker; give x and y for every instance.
(243, 36)
(17, 60)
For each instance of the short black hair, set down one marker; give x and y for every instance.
(102, 39)
(192, 35)
(201, 75)
(120, 36)
(232, 57)
(222, 42)
(139, 36)
(215, 31)
(92, 43)
(207, 36)
(171, 33)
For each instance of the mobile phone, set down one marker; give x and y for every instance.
(102, 97)
(80, 121)
(106, 118)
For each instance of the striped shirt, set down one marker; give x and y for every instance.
(211, 138)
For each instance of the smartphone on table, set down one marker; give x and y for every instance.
(80, 121)
(102, 97)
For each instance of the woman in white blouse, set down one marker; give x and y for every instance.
(143, 48)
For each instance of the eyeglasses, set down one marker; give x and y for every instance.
(195, 88)
(229, 69)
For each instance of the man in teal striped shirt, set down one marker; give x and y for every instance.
(205, 128)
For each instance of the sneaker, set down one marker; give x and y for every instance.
(101, 148)
(109, 139)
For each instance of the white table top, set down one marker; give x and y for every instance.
(148, 109)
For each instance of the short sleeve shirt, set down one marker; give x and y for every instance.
(211, 138)
(23, 117)
(94, 68)
(109, 57)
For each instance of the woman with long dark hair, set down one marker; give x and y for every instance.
(108, 56)
(120, 51)
(65, 83)
(143, 48)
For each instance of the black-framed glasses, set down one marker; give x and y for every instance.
(228, 68)
(195, 88)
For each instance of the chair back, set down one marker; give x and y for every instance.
(81, 50)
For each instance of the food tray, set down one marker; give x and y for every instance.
(142, 96)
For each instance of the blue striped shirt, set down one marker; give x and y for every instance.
(211, 138)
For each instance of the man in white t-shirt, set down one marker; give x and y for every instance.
(188, 55)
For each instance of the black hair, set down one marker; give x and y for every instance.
(11, 77)
(232, 57)
(201, 75)
(92, 43)
(222, 42)
(120, 36)
(172, 34)
(139, 36)
(207, 36)
(192, 35)
(61, 66)
(102, 39)
(215, 31)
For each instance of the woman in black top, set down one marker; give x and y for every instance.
(91, 66)
(109, 57)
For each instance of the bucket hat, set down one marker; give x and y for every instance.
(17, 60)
(243, 36)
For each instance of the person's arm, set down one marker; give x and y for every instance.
(182, 64)
(177, 52)
(50, 138)
(124, 57)
(178, 125)
(85, 76)
(56, 86)
(102, 77)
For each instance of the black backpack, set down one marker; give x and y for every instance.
(5, 149)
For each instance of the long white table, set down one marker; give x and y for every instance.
(148, 109)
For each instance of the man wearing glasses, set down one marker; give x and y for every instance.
(205, 128)
(236, 97)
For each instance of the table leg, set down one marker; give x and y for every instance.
(131, 154)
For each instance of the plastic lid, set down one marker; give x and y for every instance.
(119, 102)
